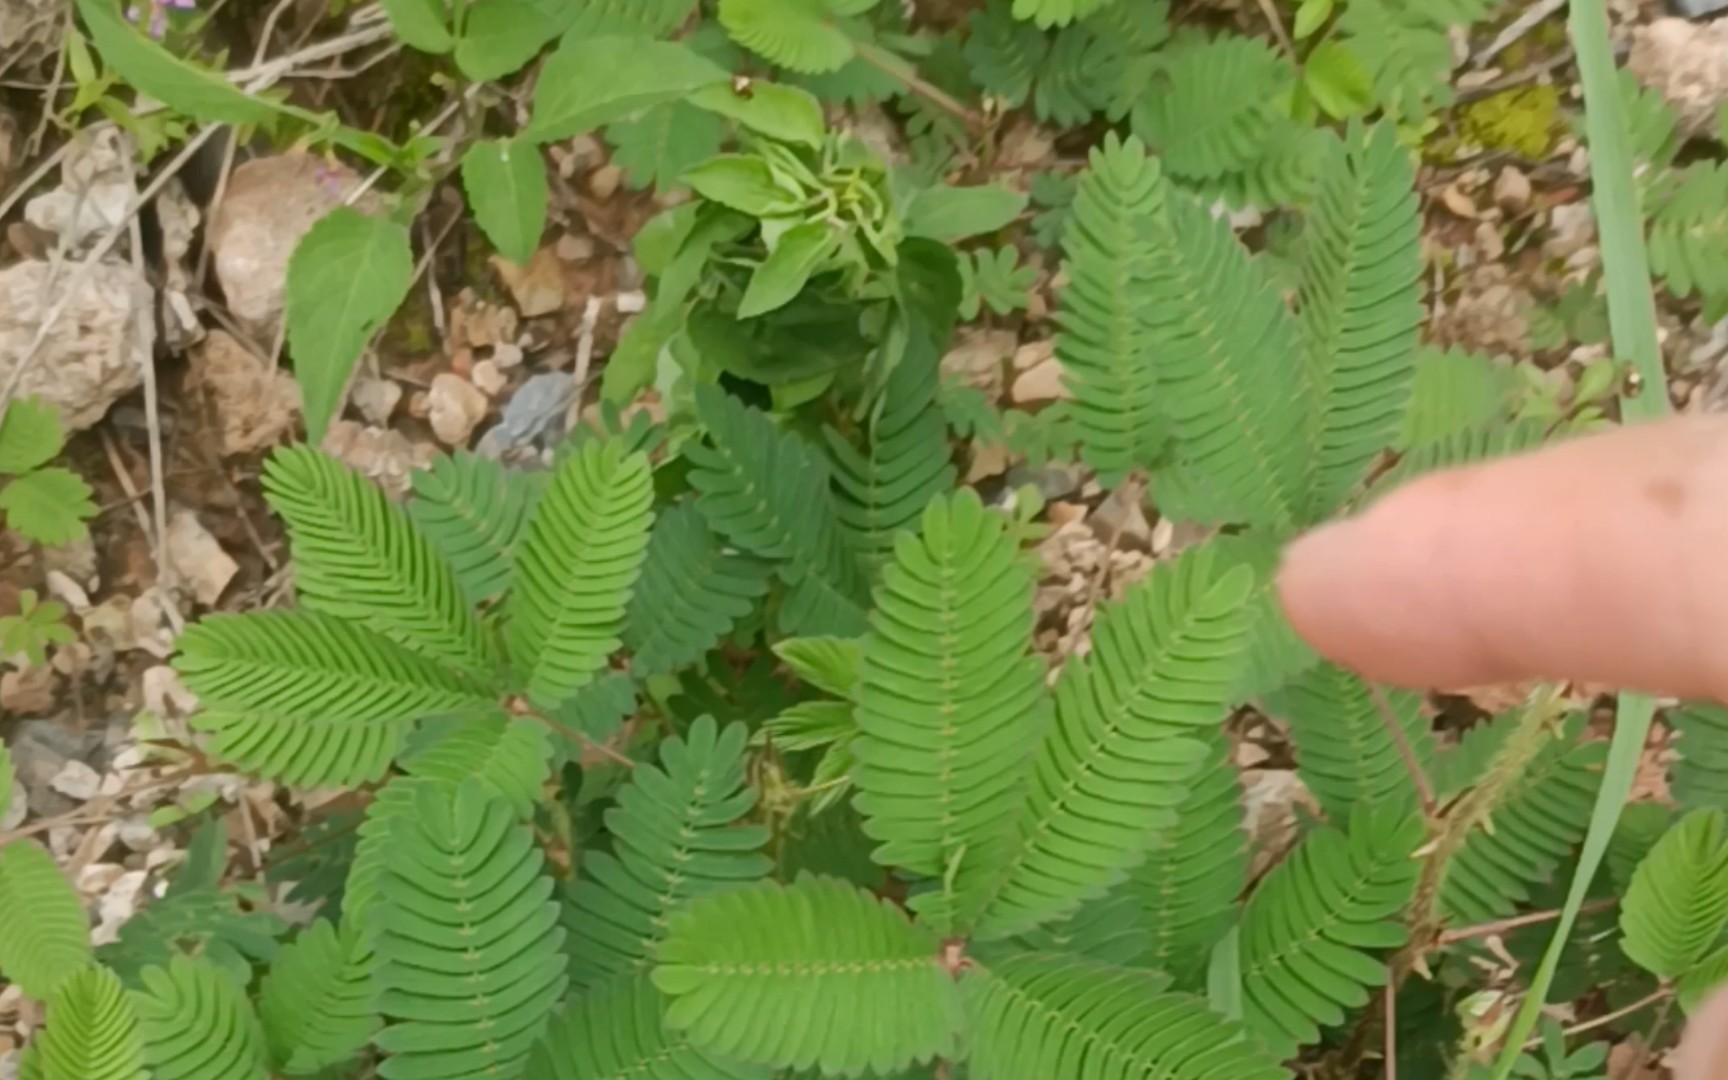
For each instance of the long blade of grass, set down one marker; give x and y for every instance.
(1632, 319)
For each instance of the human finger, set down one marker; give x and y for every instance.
(1602, 559)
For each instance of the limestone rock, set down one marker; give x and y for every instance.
(1040, 384)
(977, 358)
(252, 406)
(456, 407)
(270, 204)
(379, 454)
(198, 559)
(95, 352)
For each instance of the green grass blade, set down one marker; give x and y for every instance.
(1632, 318)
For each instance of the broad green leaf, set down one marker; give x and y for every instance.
(506, 185)
(1339, 82)
(1310, 16)
(150, 69)
(346, 278)
(786, 113)
(48, 506)
(501, 36)
(424, 24)
(745, 184)
(801, 252)
(595, 81)
(29, 435)
(954, 213)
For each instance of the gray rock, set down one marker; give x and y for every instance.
(535, 412)
(1053, 481)
(40, 749)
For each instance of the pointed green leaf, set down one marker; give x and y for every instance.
(744, 183)
(594, 81)
(501, 36)
(48, 506)
(506, 185)
(347, 276)
(785, 113)
(149, 68)
(424, 24)
(800, 252)
(955, 213)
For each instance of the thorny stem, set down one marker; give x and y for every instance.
(896, 68)
(1605, 1019)
(605, 750)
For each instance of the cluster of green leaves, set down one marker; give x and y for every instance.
(44, 503)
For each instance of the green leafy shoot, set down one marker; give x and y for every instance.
(37, 625)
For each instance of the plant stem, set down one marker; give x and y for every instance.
(1516, 922)
(889, 64)
(1604, 1020)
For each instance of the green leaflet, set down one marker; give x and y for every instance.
(473, 511)
(1344, 752)
(508, 754)
(92, 1031)
(1677, 904)
(676, 834)
(947, 213)
(1213, 105)
(950, 698)
(30, 435)
(1700, 777)
(359, 558)
(464, 900)
(691, 594)
(423, 24)
(1307, 928)
(768, 492)
(619, 1029)
(48, 506)
(44, 939)
(575, 568)
(316, 1004)
(1105, 338)
(1123, 749)
(506, 185)
(1360, 311)
(309, 699)
(347, 276)
(799, 35)
(1186, 891)
(1040, 1015)
(197, 1024)
(819, 973)
(660, 144)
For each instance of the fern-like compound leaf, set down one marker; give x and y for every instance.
(316, 1003)
(767, 491)
(1126, 742)
(950, 695)
(881, 489)
(691, 594)
(1453, 391)
(815, 974)
(198, 1025)
(1482, 443)
(358, 557)
(1533, 830)
(575, 568)
(1276, 653)
(393, 803)
(1223, 346)
(1699, 777)
(1213, 105)
(1311, 931)
(1345, 751)
(467, 938)
(1105, 343)
(1677, 904)
(1047, 1015)
(1689, 234)
(509, 755)
(1003, 53)
(473, 511)
(44, 937)
(312, 700)
(800, 35)
(1186, 891)
(619, 1029)
(92, 1031)
(1360, 310)
(676, 835)
(1048, 13)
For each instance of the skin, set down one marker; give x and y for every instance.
(1601, 560)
